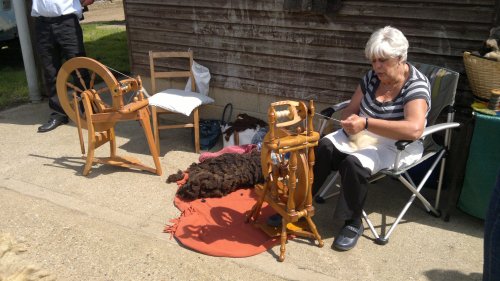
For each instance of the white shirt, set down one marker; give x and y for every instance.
(56, 8)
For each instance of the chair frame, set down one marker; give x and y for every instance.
(156, 111)
(402, 173)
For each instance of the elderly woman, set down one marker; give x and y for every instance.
(391, 103)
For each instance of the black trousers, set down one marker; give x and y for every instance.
(353, 178)
(57, 39)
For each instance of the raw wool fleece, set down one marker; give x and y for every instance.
(219, 176)
(491, 46)
(494, 54)
(361, 140)
(15, 268)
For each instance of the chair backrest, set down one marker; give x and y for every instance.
(154, 57)
(443, 88)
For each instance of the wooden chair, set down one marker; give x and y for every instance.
(171, 101)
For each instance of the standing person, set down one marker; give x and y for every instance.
(491, 267)
(391, 103)
(58, 37)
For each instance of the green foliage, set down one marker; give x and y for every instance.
(104, 41)
(107, 43)
(13, 84)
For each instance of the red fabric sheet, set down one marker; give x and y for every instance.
(216, 226)
(237, 149)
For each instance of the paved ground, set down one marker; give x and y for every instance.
(105, 10)
(108, 225)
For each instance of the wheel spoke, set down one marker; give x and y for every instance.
(102, 90)
(92, 80)
(82, 82)
(72, 86)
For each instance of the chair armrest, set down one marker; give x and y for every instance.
(439, 127)
(329, 111)
(340, 105)
(402, 144)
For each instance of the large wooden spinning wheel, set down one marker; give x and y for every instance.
(82, 85)
(287, 159)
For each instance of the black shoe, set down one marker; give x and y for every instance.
(55, 121)
(274, 220)
(348, 237)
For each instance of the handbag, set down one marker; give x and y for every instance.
(245, 129)
(211, 129)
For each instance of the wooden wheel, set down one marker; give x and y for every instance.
(81, 82)
(78, 75)
(278, 166)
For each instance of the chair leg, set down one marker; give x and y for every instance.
(416, 193)
(196, 123)
(91, 149)
(406, 180)
(146, 125)
(329, 183)
(440, 183)
(381, 241)
(155, 128)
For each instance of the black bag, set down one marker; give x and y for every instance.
(210, 129)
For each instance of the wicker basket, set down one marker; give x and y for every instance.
(483, 75)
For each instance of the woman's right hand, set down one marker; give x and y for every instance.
(353, 124)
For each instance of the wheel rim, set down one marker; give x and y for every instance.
(100, 79)
(301, 174)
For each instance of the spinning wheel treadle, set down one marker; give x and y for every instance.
(80, 83)
(288, 182)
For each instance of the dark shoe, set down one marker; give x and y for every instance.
(274, 220)
(55, 121)
(348, 237)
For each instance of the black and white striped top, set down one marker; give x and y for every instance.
(416, 87)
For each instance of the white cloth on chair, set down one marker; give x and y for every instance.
(378, 155)
(179, 101)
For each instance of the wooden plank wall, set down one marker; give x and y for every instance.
(257, 46)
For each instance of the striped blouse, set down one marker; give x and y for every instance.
(416, 87)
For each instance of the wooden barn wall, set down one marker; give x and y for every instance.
(258, 46)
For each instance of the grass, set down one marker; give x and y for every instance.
(107, 43)
(104, 41)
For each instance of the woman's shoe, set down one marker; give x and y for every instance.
(274, 220)
(348, 237)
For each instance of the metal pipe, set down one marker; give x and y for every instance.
(27, 51)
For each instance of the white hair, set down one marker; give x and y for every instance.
(387, 42)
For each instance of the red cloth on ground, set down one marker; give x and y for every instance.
(240, 149)
(216, 226)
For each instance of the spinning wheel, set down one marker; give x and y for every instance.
(287, 160)
(81, 84)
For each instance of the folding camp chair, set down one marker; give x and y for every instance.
(443, 87)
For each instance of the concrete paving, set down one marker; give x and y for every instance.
(108, 225)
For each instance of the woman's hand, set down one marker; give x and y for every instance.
(86, 2)
(353, 124)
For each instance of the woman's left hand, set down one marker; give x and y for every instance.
(353, 124)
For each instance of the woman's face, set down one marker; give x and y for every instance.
(387, 69)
